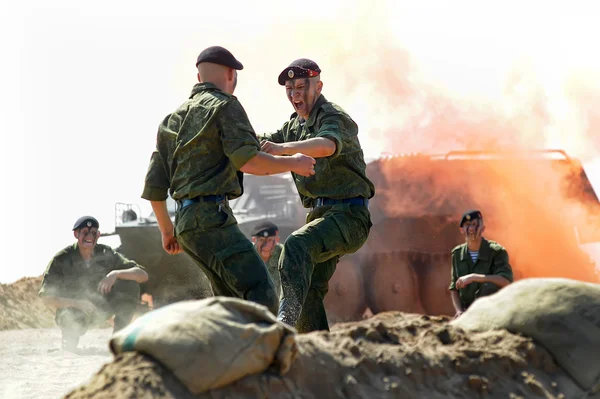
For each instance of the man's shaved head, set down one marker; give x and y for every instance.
(225, 78)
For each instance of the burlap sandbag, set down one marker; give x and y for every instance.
(211, 342)
(563, 315)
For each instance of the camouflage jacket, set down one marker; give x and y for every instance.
(273, 267)
(340, 175)
(492, 259)
(68, 276)
(201, 147)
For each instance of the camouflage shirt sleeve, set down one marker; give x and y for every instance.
(332, 126)
(453, 274)
(240, 143)
(52, 280)
(501, 267)
(157, 182)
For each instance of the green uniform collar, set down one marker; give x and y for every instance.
(199, 87)
(484, 251)
(313, 112)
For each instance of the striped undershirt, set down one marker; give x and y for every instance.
(473, 255)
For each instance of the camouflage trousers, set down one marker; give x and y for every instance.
(309, 259)
(485, 290)
(212, 238)
(121, 302)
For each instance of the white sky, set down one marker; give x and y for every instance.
(84, 85)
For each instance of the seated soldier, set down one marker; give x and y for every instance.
(88, 282)
(265, 237)
(479, 267)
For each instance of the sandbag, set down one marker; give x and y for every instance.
(563, 315)
(212, 342)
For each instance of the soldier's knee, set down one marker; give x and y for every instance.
(126, 289)
(72, 319)
(487, 289)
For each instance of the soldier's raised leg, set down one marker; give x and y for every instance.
(313, 316)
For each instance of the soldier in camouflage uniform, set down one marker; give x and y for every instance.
(338, 194)
(265, 237)
(88, 282)
(202, 151)
(479, 267)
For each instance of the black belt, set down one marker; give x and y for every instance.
(206, 198)
(328, 201)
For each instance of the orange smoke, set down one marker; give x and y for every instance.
(538, 205)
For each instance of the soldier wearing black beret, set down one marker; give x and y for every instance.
(89, 282)
(480, 267)
(337, 196)
(202, 151)
(265, 237)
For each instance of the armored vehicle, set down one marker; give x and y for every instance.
(176, 277)
(538, 204)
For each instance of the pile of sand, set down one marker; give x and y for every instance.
(21, 307)
(392, 355)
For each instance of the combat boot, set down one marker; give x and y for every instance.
(69, 341)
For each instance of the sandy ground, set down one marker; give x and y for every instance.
(34, 366)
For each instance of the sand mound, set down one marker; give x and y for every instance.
(390, 355)
(20, 306)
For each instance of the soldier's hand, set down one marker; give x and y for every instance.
(304, 165)
(107, 283)
(170, 244)
(463, 281)
(271, 148)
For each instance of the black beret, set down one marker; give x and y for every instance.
(300, 68)
(86, 221)
(219, 55)
(468, 215)
(264, 229)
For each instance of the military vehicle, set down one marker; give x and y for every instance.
(176, 277)
(405, 263)
(540, 205)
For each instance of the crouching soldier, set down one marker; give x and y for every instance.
(88, 283)
(479, 267)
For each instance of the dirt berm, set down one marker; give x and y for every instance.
(392, 355)
(21, 307)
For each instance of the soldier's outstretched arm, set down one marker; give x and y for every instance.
(318, 147)
(266, 164)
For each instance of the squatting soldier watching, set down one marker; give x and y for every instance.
(338, 194)
(479, 267)
(265, 237)
(202, 151)
(89, 282)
